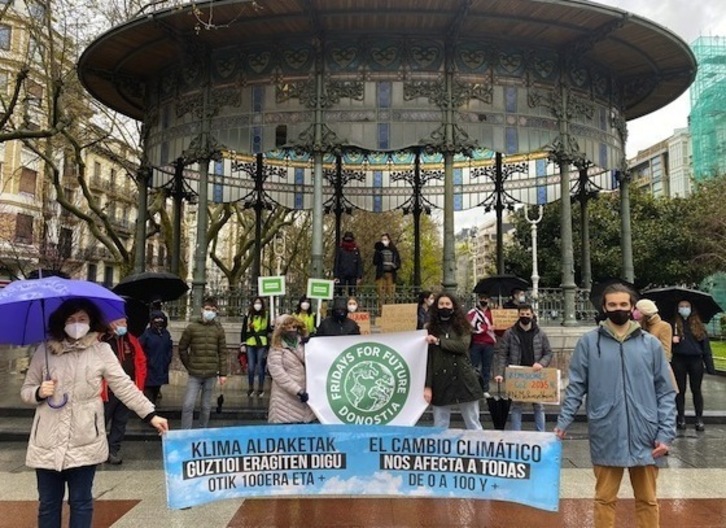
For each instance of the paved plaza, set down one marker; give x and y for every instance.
(133, 495)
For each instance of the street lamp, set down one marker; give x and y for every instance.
(535, 272)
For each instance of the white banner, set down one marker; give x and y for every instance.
(367, 379)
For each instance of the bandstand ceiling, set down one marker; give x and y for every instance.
(634, 49)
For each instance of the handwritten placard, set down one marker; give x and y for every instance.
(364, 321)
(527, 385)
(504, 318)
(398, 317)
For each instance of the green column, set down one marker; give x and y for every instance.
(626, 237)
(143, 206)
(449, 278)
(316, 258)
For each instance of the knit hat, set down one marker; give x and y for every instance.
(646, 307)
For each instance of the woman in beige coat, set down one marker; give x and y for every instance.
(68, 438)
(286, 363)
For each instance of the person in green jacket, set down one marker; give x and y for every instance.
(203, 352)
(450, 377)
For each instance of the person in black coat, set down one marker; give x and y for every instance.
(348, 268)
(157, 345)
(387, 262)
(337, 323)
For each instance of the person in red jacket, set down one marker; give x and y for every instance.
(133, 360)
(483, 340)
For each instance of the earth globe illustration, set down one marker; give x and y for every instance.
(369, 386)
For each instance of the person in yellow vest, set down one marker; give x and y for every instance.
(304, 312)
(254, 340)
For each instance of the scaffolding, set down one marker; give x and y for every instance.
(708, 108)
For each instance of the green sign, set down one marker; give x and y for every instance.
(320, 289)
(368, 383)
(271, 286)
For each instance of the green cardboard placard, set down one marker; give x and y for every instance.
(271, 286)
(320, 289)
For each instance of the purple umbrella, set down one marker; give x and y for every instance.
(25, 307)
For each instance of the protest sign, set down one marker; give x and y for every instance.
(398, 317)
(271, 286)
(527, 385)
(205, 465)
(504, 318)
(369, 380)
(364, 321)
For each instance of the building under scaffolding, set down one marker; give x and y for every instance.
(708, 108)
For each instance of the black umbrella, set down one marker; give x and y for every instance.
(500, 285)
(220, 402)
(150, 286)
(599, 288)
(137, 316)
(499, 408)
(667, 299)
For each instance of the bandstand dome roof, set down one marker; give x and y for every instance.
(629, 46)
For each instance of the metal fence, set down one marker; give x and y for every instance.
(233, 304)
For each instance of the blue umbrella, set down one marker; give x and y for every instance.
(25, 307)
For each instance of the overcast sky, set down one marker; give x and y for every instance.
(688, 19)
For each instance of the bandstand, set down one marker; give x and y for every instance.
(331, 105)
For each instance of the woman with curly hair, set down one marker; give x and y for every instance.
(286, 361)
(691, 353)
(450, 377)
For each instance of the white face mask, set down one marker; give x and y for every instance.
(77, 330)
(209, 315)
(305, 305)
(257, 307)
(521, 298)
(352, 307)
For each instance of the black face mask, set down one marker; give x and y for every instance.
(445, 313)
(618, 317)
(483, 304)
(524, 321)
(340, 315)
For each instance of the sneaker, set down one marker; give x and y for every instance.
(250, 393)
(114, 459)
(700, 427)
(681, 424)
(487, 395)
(261, 394)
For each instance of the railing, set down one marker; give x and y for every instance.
(233, 304)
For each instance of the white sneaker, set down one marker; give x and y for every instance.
(487, 395)
(261, 394)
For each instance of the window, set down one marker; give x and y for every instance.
(36, 9)
(23, 229)
(113, 178)
(5, 35)
(65, 242)
(149, 255)
(91, 273)
(96, 169)
(108, 276)
(33, 93)
(281, 136)
(28, 177)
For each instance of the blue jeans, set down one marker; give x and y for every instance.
(256, 361)
(52, 487)
(515, 414)
(190, 399)
(469, 412)
(481, 357)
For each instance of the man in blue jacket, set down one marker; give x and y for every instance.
(630, 407)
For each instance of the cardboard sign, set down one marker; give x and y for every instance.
(504, 318)
(320, 289)
(398, 317)
(527, 385)
(271, 286)
(364, 321)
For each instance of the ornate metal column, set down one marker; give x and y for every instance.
(416, 205)
(626, 236)
(338, 204)
(316, 259)
(143, 177)
(585, 190)
(177, 195)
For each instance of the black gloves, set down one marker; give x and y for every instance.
(303, 396)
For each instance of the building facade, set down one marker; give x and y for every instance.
(664, 169)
